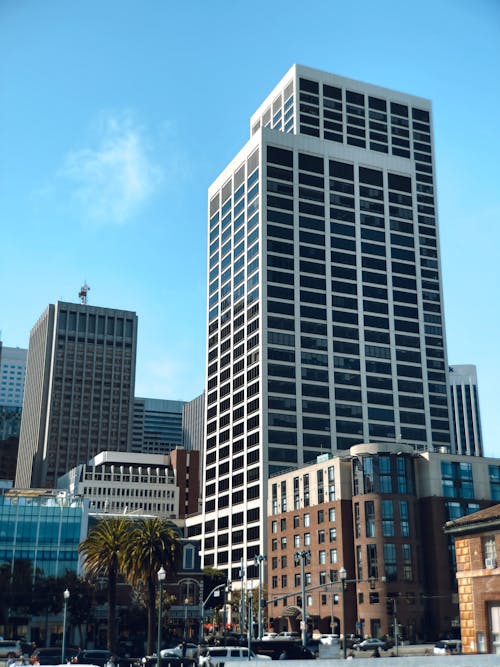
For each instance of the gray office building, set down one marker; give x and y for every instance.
(465, 409)
(79, 392)
(157, 425)
(325, 310)
(12, 377)
(193, 424)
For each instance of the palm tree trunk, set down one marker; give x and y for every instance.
(112, 610)
(151, 615)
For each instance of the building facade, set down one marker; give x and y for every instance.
(12, 378)
(477, 543)
(378, 511)
(325, 312)
(465, 410)
(79, 390)
(44, 528)
(193, 424)
(157, 425)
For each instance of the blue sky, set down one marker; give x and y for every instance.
(116, 115)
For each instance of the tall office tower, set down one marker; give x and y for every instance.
(193, 424)
(79, 392)
(465, 410)
(325, 316)
(12, 377)
(157, 425)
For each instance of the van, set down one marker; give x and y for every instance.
(218, 655)
(448, 647)
(10, 648)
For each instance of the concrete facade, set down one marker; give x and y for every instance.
(325, 313)
(79, 393)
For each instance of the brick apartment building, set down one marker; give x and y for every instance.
(378, 511)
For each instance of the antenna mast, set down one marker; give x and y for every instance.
(84, 289)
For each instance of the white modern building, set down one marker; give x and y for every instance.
(465, 409)
(325, 310)
(126, 483)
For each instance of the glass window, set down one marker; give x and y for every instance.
(370, 518)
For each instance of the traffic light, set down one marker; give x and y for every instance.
(263, 603)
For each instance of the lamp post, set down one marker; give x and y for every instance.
(302, 556)
(250, 623)
(65, 613)
(342, 577)
(258, 560)
(215, 592)
(161, 578)
(186, 602)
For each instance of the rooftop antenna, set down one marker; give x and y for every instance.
(84, 289)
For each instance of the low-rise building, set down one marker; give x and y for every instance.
(477, 543)
(164, 485)
(375, 512)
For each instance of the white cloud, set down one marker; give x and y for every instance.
(113, 179)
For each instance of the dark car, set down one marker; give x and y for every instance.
(100, 657)
(51, 655)
(290, 648)
(371, 644)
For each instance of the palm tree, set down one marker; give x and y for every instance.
(103, 551)
(153, 543)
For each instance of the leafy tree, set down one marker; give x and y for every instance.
(152, 543)
(103, 551)
(212, 578)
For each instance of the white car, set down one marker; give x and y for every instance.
(329, 639)
(191, 651)
(223, 654)
(269, 635)
(448, 647)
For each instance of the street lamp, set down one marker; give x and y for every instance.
(65, 612)
(161, 578)
(302, 556)
(250, 623)
(186, 602)
(258, 560)
(342, 577)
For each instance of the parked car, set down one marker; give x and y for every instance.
(288, 635)
(10, 648)
(170, 661)
(289, 647)
(100, 657)
(371, 644)
(447, 647)
(190, 652)
(51, 655)
(328, 639)
(223, 654)
(269, 635)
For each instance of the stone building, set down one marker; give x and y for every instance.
(477, 542)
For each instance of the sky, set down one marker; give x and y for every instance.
(116, 116)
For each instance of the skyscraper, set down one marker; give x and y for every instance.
(465, 410)
(325, 313)
(79, 390)
(157, 425)
(12, 377)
